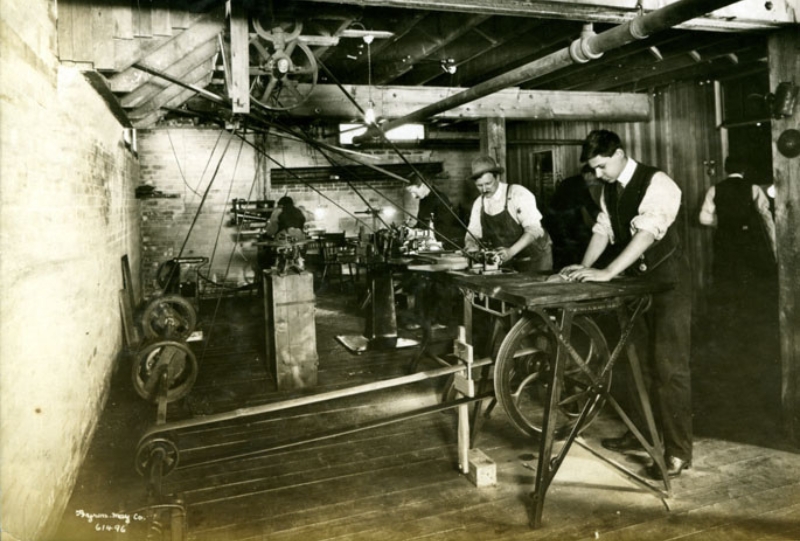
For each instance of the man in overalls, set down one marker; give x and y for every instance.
(505, 219)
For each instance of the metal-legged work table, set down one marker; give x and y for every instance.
(552, 369)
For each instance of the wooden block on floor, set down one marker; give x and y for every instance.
(482, 469)
(290, 330)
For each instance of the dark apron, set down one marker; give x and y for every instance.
(502, 231)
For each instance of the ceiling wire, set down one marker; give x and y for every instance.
(178, 163)
(397, 151)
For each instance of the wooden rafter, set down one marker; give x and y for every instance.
(393, 102)
(744, 15)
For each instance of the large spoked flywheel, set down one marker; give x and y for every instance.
(164, 363)
(523, 371)
(283, 70)
(170, 316)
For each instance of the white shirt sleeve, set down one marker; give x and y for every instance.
(659, 206)
(603, 224)
(762, 205)
(474, 227)
(708, 212)
(657, 211)
(522, 207)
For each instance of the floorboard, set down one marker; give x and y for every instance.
(285, 476)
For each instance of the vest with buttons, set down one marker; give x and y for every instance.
(622, 209)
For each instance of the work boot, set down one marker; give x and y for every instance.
(674, 465)
(627, 442)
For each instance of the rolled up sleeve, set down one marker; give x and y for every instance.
(475, 231)
(659, 207)
(603, 226)
(523, 205)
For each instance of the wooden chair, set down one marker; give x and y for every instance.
(335, 255)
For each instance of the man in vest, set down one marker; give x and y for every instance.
(505, 218)
(635, 234)
(744, 268)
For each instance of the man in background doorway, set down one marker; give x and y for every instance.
(744, 269)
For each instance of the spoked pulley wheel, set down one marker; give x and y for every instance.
(164, 363)
(170, 316)
(523, 371)
(283, 69)
(151, 448)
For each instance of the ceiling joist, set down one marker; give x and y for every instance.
(743, 15)
(510, 103)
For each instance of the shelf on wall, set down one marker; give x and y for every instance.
(353, 173)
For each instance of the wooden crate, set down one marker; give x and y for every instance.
(290, 331)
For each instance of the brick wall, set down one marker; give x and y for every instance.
(68, 216)
(187, 164)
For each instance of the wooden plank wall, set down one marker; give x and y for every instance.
(681, 136)
(784, 65)
(91, 31)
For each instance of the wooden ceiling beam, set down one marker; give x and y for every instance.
(644, 66)
(148, 114)
(702, 73)
(161, 54)
(202, 56)
(587, 47)
(428, 37)
(471, 56)
(379, 46)
(636, 61)
(617, 57)
(743, 15)
(511, 103)
(537, 39)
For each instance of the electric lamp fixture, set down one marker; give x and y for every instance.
(369, 114)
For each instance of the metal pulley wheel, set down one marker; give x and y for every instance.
(170, 316)
(164, 362)
(283, 70)
(150, 449)
(523, 372)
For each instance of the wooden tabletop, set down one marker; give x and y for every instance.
(529, 291)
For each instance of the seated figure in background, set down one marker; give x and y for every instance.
(286, 219)
(433, 303)
(285, 223)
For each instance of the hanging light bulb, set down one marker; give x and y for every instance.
(321, 210)
(369, 114)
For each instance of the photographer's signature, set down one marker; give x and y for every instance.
(109, 522)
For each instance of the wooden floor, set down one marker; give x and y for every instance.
(400, 481)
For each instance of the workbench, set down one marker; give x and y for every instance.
(552, 368)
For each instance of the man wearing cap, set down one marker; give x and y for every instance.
(635, 230)
(505, 219)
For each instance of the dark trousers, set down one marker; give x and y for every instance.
(663, 341)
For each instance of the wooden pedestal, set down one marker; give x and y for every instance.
(291, 337)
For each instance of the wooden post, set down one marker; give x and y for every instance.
(784, 65)
(493, 140)
(240, 60)
(290, 330)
